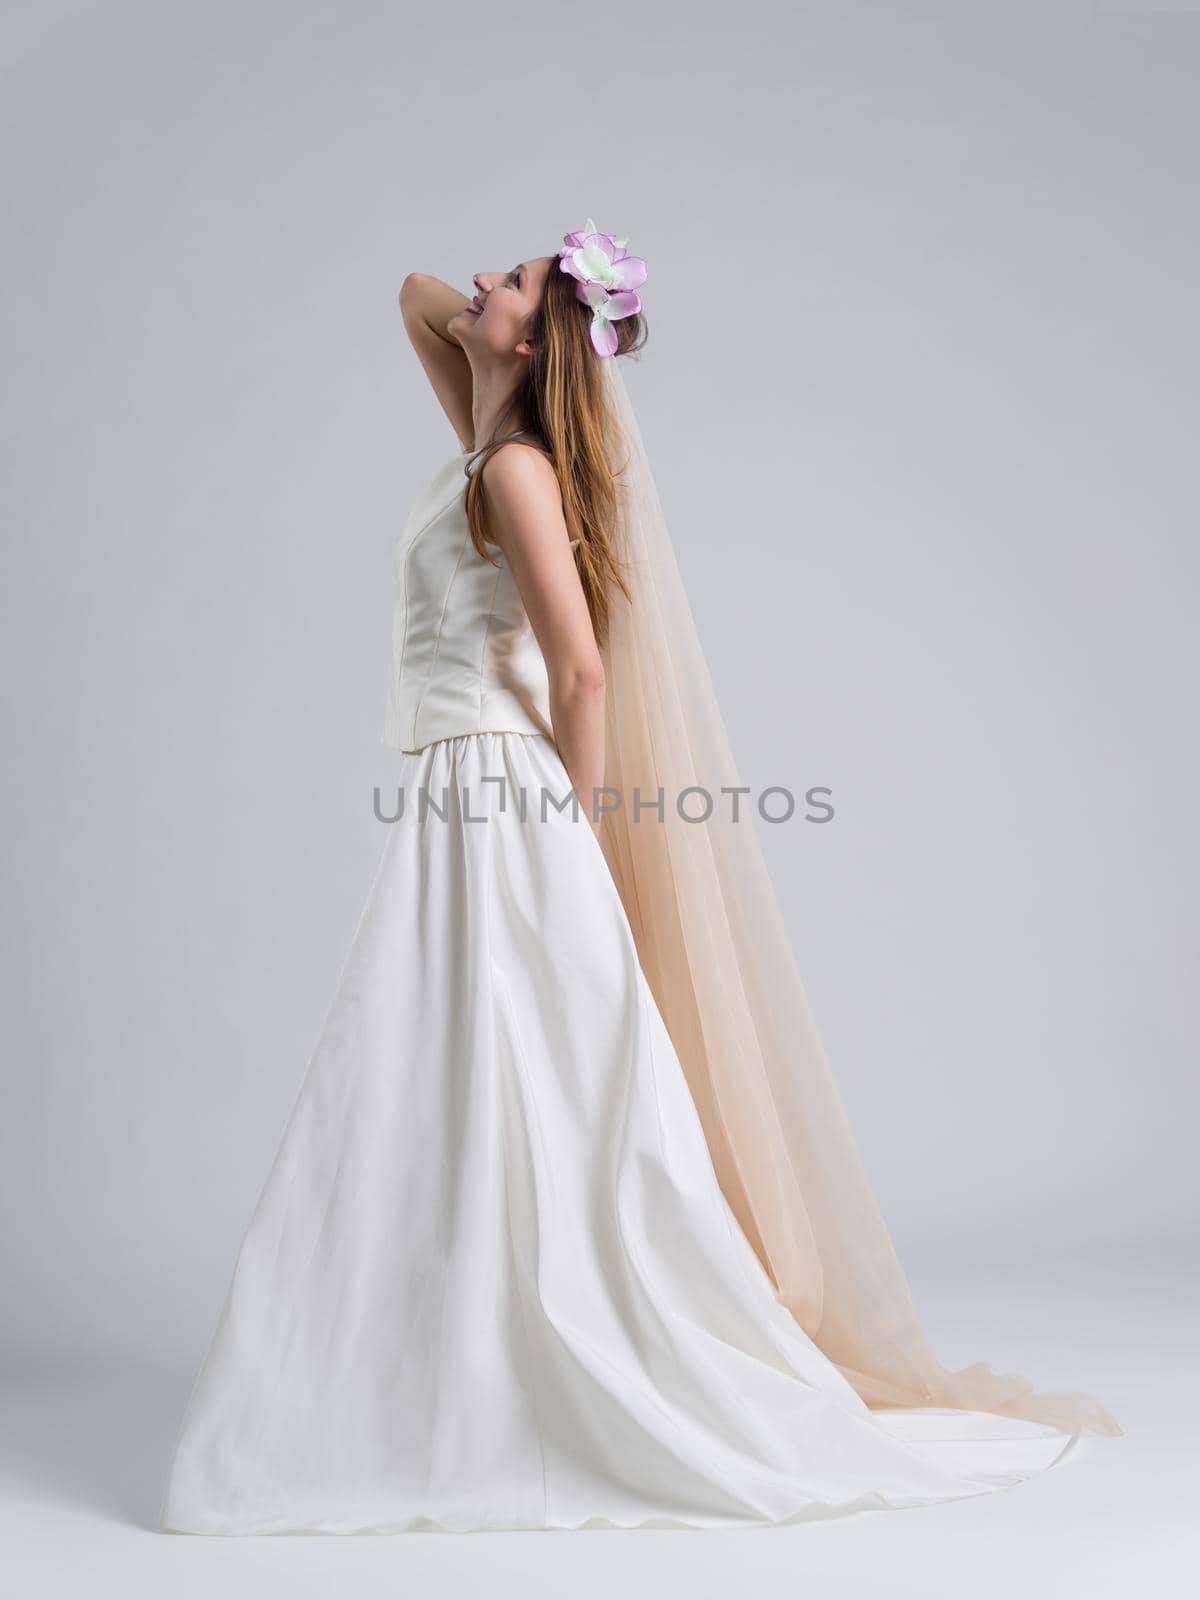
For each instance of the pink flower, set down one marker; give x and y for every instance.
(607, 276)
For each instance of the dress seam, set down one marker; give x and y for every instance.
(497, 983)
(408, 550)
(437, 645)
(487, 633)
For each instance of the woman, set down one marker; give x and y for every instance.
(567, 1226)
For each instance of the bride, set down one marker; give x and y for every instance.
(567, 1226)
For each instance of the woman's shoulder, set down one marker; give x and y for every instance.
(513, 442)
(519, 462)
(524, 494)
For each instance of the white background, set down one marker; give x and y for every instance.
(920, 393)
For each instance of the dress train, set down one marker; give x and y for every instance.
(492, 1281)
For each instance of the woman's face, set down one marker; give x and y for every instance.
(499, 317)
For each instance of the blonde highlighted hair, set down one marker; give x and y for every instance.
(563, 397)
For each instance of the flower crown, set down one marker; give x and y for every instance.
(608, 276)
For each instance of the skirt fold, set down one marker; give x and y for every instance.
(491, 1280)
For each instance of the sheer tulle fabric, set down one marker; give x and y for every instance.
(716, 954)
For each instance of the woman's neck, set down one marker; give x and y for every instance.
(492, 409)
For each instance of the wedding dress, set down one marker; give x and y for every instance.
(517, 1263)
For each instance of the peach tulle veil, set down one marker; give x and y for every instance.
(717, 957)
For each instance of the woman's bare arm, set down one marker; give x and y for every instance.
(526, 520)
(427, 304)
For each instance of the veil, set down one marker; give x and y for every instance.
(716, 955)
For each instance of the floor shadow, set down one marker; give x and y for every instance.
(98, 1442)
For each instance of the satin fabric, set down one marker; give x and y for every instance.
(492, 1280)
(465, 658)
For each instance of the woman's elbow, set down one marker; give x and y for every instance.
(580, 683)
(412, 286)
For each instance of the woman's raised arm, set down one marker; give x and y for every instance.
(427, 304)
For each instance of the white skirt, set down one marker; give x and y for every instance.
(491, 1281)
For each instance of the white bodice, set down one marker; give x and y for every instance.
(464, 656)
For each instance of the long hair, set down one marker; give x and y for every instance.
(563, 397)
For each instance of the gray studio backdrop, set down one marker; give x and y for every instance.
(921, 395)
